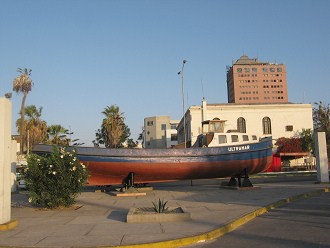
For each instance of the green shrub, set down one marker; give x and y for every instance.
(54, 179)
(160, 207)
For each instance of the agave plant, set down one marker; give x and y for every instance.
(160, 207)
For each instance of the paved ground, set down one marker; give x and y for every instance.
(300, 224)
(100, 219)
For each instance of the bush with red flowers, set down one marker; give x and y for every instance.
(289, 145)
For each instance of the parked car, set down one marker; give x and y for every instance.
(20, 181)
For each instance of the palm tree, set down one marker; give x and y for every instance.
(34, 126)
(113, 130)
(22, 83)
(57, 135)
(112, 125)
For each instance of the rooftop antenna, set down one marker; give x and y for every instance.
(303, 100)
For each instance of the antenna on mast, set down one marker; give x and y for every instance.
(304, 95)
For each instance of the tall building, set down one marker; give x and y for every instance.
(252, 81)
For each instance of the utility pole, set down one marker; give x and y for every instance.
(183, 107)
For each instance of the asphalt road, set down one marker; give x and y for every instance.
(303, 223)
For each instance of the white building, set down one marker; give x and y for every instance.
(276, 120)
(159, 132)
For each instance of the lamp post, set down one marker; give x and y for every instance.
(184, 117)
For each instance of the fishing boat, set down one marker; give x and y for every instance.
(214, 155)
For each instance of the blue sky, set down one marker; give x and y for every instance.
(86, 55)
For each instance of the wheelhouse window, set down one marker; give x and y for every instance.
(217, 126)
(234, 138)
(222, 139)
(245, 137)
(214, 125)
(266, 125)
(241, 125)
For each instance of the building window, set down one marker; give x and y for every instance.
(279, 69)
(289, 128)
(266, 125)
(163, 126)
(264, 69)
(174, 137)
(239, 70)
(173, 126)
(150, 123)
(254, 69)
(241, 125)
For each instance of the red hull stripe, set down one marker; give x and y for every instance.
(103, 173)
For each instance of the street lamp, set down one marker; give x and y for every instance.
(184, 117)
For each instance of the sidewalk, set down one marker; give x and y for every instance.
(100, 218)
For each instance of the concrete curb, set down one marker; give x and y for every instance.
(218, 232)
(9, 225)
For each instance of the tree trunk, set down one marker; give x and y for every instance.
(22, 131)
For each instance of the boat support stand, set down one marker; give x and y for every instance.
(246, 180)
(128, 182)
(130, 188)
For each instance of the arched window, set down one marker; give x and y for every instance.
(266, 125)
(241, 125)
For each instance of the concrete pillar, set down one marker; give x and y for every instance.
(5, 160)
(204, 110)
(321, 157)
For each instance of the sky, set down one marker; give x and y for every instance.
(86, 55)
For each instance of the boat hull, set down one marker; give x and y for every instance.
(112, 166)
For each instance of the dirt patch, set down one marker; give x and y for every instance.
(152, 211)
